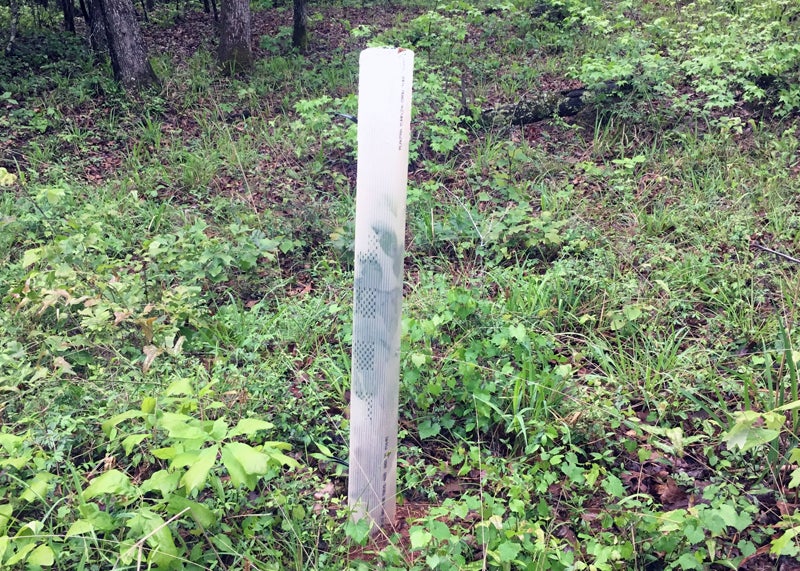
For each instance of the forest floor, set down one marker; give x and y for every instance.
(600, 343)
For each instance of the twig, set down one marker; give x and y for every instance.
(780, 254)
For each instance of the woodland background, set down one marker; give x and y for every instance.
(600, 340)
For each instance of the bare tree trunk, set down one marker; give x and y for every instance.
(97, 28)
(300, 31)
(68, 8)
(234, 42)
(207, 8)
(14, 6)
(126, 45)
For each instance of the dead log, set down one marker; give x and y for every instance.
(547, 105)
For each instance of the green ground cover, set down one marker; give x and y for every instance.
(600, 340)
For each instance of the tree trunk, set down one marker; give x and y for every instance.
(97, 28)
(207, 5)
(14, 7)
(234, 42)
(300, 31)
(68, 8)
(126, 45)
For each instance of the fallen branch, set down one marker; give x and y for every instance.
(546, 105)
(775, 252)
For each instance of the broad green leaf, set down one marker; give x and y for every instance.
(204, 517)
(20, 555)
(28, 533)
(738, 520)
(712, 521)
(42, 556)
(428, 429)
(180, 387)
(249, 426)
(518, 332)
(146, 523)
(148, 405)
(80, 527)
(11, 442)
(101, 520)
(508, 551)
(745, 434)
(672, 521)
(691, 561)
(251, 460)
(439, 530)
(7, 178)
(53, 194)
(129, 442)
(217, 429)
(785, 544)
(420, 537)
(17, 462)
(4, 543)
(195, 477)
(185, 458)
(324, 450)
(277, 445)
(163, 481)
(127, 551)
(632, 312)
(613, 486)
(223, 544)
(358, 531)
(774, 420)
(111, 482)
(280, 458)
(5, 516)
(37, 487)
(32, 256)
(182, 426)
(432, 561)
(115, 420)
(793, 483)
(167, 453)
(239, 476)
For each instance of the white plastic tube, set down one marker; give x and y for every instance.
(384, 119)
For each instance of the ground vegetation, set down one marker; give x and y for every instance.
(600, 334)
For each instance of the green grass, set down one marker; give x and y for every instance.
(595, 342)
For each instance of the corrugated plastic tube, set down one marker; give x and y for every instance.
(384, 121)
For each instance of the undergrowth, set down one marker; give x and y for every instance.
(600, 342)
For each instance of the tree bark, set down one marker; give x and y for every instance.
(207, 8)
(97, 28)
(126, 45)
(14, 7)
(234, 52)
(68, 8)
(300, 30)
